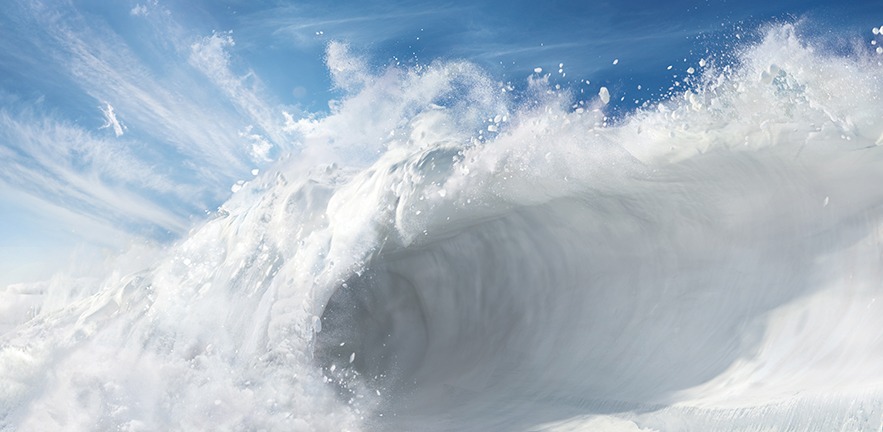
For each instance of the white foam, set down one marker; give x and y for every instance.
(604, 95)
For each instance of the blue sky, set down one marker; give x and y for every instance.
(128, 121)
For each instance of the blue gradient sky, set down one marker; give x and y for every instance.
(126, 122)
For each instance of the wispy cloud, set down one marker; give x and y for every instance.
(210, 56)
(139, 9)
(176, 113)
(178, 107)
(584, 36)
(65, 164)
(111, 121)
(186, 125)
(350, 21)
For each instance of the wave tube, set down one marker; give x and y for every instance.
(613, 302)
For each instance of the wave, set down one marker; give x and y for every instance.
(445, 256)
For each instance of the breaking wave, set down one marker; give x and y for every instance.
(440, 257)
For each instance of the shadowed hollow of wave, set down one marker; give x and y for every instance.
(609, 303)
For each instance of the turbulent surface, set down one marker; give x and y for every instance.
(466, 263)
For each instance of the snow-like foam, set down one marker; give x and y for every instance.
(441, 258)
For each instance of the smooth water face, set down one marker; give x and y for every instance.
(443, 255)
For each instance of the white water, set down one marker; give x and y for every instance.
(439, 258)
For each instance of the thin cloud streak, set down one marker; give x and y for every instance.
(111, 121)
(210, 56)
(61, 163)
